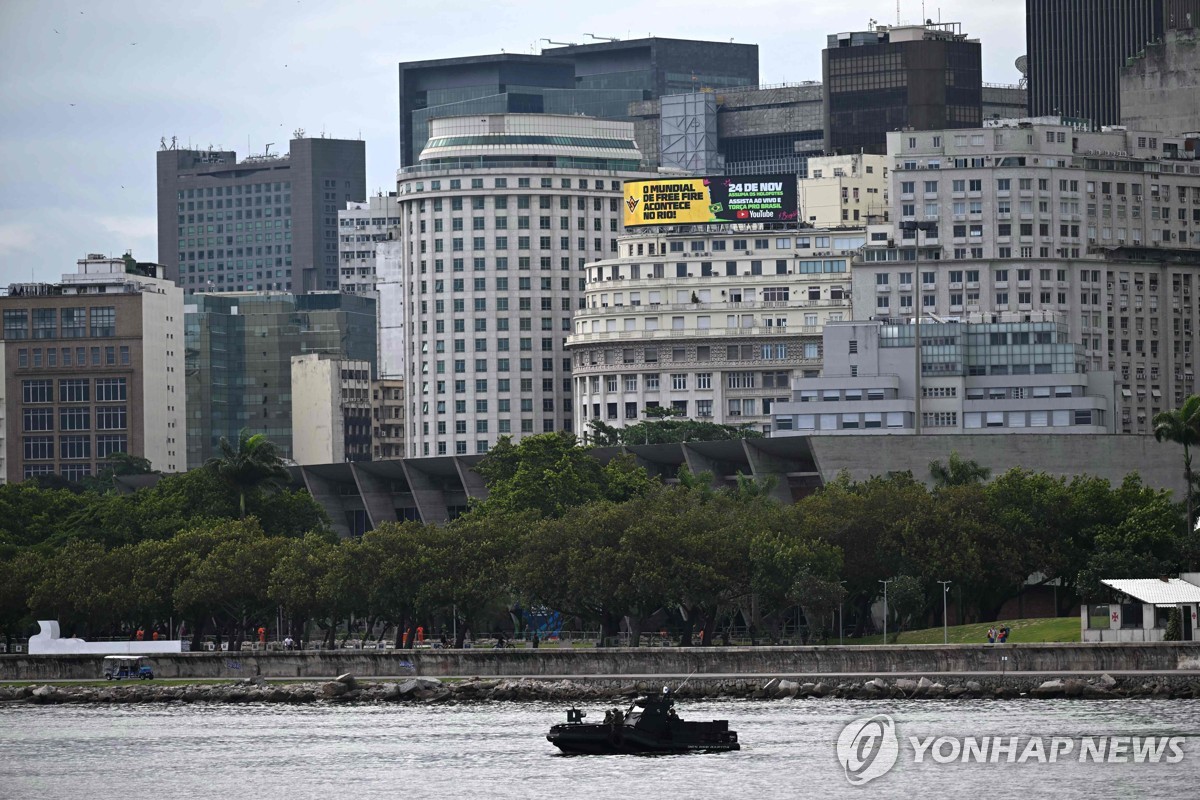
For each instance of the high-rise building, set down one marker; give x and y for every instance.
(1041, 215)
(712, 324)
(597, 80)
(735, 131)
(1160, 87)
(919, 77)
(870, 384)
(498, 222)
(93, 366)
(1076, 49)
(265, 223)
(360, 227)
(331, 409)
(239, 359)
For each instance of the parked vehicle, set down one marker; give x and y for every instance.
(117, 668)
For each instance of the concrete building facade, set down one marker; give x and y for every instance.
(331, 409)
(712, 323)
(1102, 227)
(239, 359)
(845, 191)
(498, 223)
(361, 226)
(920, 77)
(1160, 85)
(387, 418)
(93, 367)
(1015, 375)
(265, 223)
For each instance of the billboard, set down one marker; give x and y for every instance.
(715, 198)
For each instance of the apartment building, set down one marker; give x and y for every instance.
(1014, 375)
(93, 365)
(1102, 227)
(711, 322)
(387, 418)
(361, 226)
(331, 409)
(498, 222)
(845, 191)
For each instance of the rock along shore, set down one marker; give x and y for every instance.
(348, 689)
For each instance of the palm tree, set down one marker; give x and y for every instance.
(1182, 426)
(958, 471)
(252, 463)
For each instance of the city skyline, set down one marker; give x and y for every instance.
(82, 114)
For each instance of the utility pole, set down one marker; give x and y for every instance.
(841, 618)
(945, 629)
(886, 608)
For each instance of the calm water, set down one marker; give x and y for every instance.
(499, 750)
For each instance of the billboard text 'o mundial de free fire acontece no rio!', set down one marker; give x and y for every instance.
(715, 198)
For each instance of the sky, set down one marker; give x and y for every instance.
(89, 88)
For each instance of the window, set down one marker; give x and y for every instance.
(39, 448)
(37, 419)
(109, 418)
(16, 324)
(109, 443)
(679, 381)
(74, 323)
(104, 321)
(73, 390)
(75, 447)
(75, 418)
(704, 380)
(739, 380)
(37, 391)
(45, 323)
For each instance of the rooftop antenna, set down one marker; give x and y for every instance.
(267, 151)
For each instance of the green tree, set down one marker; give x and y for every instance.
(818, 597)
(906, 601)
(1145, 544)
(548, 474)
(468, 567)
(958, 471)
(1182, 426)
(252, 463)
(231, 582)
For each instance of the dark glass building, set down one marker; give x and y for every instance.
(265, 223)
(919, 77)
(598, 80)
(238, 359)
(1076, 50)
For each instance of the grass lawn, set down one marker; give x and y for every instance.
(1052, 629)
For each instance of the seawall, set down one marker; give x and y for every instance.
(1064, 659)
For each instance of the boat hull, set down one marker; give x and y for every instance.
(624, 740)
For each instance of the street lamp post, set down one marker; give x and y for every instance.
(841, 618)
(945, 629)
(885, 585)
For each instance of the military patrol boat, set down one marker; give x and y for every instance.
(653, 729)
